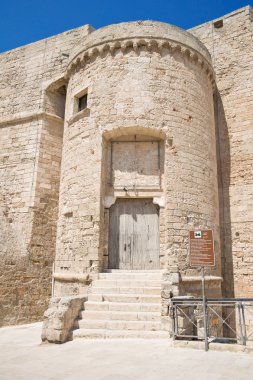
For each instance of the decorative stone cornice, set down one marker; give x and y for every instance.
(72, 277)
(158, 45)
(24, 117)
(199, 278)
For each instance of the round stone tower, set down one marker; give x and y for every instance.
(139, 157)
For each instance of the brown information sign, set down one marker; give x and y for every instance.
(201, 248)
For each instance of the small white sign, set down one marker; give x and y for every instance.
(197, 234)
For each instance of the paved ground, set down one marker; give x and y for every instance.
(23, 357)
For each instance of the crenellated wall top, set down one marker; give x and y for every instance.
(137, 34)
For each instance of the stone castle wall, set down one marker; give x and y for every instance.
(159, 85)
(31, 128)
(232, 56)
(144, 80)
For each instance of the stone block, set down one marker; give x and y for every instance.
(59, 319)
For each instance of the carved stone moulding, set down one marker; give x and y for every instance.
(153, 37)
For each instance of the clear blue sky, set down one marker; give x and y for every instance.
(25, 21)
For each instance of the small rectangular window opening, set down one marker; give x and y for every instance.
(218, 24)
(82, 102)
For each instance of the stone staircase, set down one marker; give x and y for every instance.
(123, 304)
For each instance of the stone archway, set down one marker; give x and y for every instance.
(133, 180)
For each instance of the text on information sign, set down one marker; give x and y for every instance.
(201, 248)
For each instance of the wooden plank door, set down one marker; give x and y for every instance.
(134, 235)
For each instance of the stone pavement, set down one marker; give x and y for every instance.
(23, 357)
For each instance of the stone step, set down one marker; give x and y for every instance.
(127, 283)
(122, 306)
(141, 271)
(125, 290)
(121, 325)
(125, 298)
(116, 334)
(121, 315)
(130, 276)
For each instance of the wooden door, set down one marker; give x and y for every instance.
(134, 235)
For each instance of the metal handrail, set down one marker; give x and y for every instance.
(225, 318)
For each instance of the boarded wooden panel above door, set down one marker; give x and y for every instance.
(135, 164)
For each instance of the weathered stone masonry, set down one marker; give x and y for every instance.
(154, 91)
(232, 56)
(31, 144)
(155, 87)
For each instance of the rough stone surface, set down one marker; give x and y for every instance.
(169, 118)
(153, 91)
(232, 56)
(59, 319)
(30, 154)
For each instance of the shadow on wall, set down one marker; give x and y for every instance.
(223, 169)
